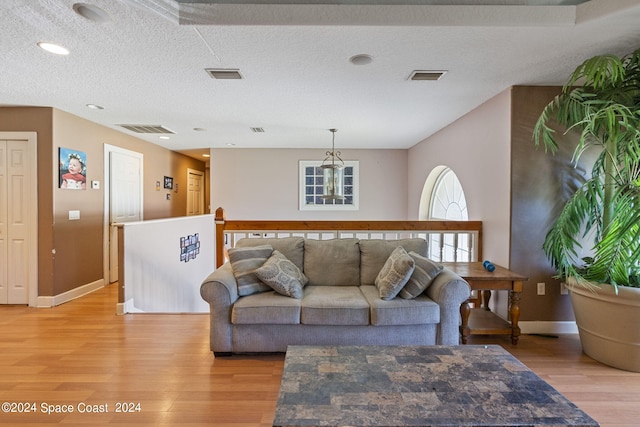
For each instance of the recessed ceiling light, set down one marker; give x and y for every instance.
(229, 144)
(53, 48)
(361, 59)
(164, 137)
(91, 12)
(95, 107)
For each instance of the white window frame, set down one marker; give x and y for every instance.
(329, 206)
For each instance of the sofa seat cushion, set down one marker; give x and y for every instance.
(334, 305)
(266, 308)
(421, 310)
(375, 252)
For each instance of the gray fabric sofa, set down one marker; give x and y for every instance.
(340, 304)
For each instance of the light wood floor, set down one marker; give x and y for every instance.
(81, 353)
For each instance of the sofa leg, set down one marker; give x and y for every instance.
(222, 353)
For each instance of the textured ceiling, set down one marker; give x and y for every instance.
(146, 64)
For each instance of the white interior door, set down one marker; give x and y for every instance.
(195, 192)
(125, 196)
(18, 220)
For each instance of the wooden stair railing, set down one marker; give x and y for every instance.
(226, 228)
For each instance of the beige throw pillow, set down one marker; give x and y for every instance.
(395, 273)
(244, 262)
(423, 274)
(282, 276)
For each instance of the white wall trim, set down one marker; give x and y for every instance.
(548, 327)
(106, 188)
(52, 301)
(129, 307)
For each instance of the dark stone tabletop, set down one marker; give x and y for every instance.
(385, 386)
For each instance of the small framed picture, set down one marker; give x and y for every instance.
(168, 183)
(72, 169)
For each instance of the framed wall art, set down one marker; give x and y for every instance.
(72, 169)
(168, 183)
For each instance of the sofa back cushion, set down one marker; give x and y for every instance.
(375, 252)
(334, 262)
(290, 247)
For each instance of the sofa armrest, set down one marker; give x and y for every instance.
(220, 284)
(449, 290)
(220, 290)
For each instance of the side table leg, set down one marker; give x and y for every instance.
(514, 312)
(486, 296)
(465, 310)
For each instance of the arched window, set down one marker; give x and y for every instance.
(443, 198)
(447, 198)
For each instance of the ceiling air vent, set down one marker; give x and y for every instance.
(427, 75)
(257, 130)
(224, 74)
(147, 128)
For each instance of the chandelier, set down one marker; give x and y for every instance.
(333, 173)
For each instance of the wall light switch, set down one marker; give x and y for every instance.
(540, 288)
(74, 215)
(95, 185)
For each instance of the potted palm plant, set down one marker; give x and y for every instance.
(601, 101)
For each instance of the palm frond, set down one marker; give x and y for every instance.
(605, 110)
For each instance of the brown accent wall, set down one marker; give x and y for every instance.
(540, 183)
(70, 253)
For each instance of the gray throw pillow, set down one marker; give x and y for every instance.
(244, 262)
(394, 274)
(291, 247)
(423, 274)
(282, 276)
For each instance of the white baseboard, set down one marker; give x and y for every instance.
(539, 327)
(52, 301)
(129, 307)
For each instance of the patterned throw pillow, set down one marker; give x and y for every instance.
(244, 262)
(394, 274)
(282, 275)
(424, 273)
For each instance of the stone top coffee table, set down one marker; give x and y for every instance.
(470, 385)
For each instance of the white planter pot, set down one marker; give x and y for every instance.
(609, 324)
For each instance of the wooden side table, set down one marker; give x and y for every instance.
(480, 320)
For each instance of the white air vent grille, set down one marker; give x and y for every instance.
(224, 74)
(147, 128)
(257, 130)
(427, 75)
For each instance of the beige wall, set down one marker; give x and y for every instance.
(477, 148)
(513, 188)
(78, 257)
(267, 186)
